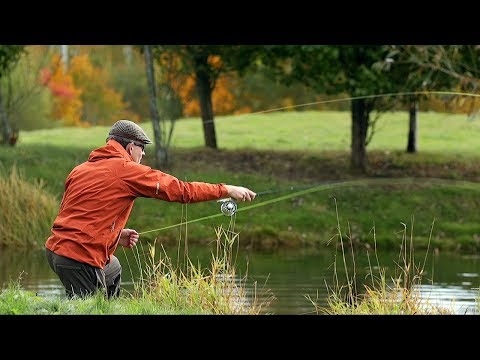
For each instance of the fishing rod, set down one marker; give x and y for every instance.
(297, 188)
(228, 206)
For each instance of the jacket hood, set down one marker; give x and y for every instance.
(111, 150)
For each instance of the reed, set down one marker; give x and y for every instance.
(27, 212)
(379, 294)
(217, 289)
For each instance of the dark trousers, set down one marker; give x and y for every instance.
(81, 280)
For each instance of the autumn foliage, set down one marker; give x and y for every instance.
(452, 103)
(67, 105)
(82, 94)
(102, 105)
(223, 100)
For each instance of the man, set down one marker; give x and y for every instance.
(98, 198)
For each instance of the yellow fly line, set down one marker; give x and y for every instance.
(360, 182)
(408, 93)
(345, 183)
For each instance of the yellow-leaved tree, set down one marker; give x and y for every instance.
(102, 104)
(67, 105)
(223, 99)
(82, 95)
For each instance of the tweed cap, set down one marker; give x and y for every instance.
(129, 130)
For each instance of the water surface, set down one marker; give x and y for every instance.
(291, 276)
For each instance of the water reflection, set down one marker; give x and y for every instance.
(451, 281)
(457, 299)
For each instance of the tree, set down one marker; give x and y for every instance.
(9, 56)
(457, 65)
(337, 70)
(161, 151)
(415, 80)
(26, 100)
(206, 63)
(194, 59)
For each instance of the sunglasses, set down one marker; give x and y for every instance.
(140, 145)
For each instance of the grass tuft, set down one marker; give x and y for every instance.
(27, 212)
(379, 295)
(214, 290)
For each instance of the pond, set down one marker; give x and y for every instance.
(293, 277)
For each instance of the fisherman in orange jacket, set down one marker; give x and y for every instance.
(98, 198)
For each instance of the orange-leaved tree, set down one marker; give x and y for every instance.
(102, 104)
(67, 105)
(82, 94)
(207, 63)
(223, 99)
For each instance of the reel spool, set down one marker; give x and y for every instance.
(228, 207)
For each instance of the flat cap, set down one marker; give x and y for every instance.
(129, 130)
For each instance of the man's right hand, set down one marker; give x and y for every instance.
(240, 193)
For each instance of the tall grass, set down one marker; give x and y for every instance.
(217, 289)
(163, 287)
(380, 295)
(27, 209)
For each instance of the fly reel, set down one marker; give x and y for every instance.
(228, 207)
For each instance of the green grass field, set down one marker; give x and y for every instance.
(302, 131)
(279, 150)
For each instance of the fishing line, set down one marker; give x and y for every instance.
(363, 182)
(295, 188)
(330, 185)
(229, 207)
(182, 223)
(406, 93)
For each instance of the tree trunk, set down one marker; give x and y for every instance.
(360, 121)
(413, 126)
(128, 54)
(6, 129)
(161, 153)
(204, 91)
(65, 58)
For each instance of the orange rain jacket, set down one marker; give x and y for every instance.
(99, 196)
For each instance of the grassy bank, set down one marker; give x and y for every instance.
(289, 152)
(163, 287)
